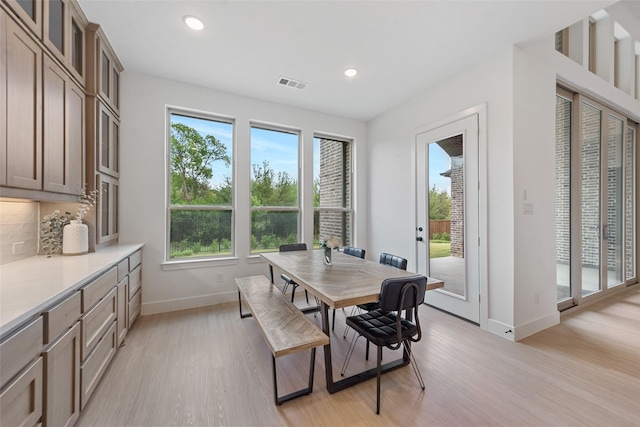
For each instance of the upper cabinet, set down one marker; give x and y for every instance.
(42, 110)
(21, 61)
(103, 72)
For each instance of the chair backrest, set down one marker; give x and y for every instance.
(293, 247)
(403, 293)
(357, 252)
(392, 291)
(393, 260)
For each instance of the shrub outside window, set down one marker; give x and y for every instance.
(200, 216)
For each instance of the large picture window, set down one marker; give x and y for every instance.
(332, 215)
(200, 216)
(275, 210)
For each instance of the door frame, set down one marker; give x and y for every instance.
(481, 111)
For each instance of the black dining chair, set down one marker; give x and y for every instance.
(356, 252)
(387, 327)
(288, 281)
(386, 259)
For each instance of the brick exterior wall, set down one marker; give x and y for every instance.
(457, 206)
(335, 190)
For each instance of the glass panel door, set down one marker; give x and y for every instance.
(563, 198)
(590, 165)
(614, 232)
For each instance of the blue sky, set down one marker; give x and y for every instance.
(280, 149)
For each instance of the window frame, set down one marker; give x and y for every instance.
(346, 240)
(169, 207)
(298, 207)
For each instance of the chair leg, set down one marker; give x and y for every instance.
(293, 292)
(347, 358)
(306, 294)
(333, 325)
(346, 328)
(412, 360)
(379, 373)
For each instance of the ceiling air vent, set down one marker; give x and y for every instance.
(286, 81)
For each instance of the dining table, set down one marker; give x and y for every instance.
(346, 282)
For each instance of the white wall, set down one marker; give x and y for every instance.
(391, 152)
(142, 183)
(519, 89)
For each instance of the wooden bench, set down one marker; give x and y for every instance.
(284, 327)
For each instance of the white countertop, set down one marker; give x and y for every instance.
(29, 286)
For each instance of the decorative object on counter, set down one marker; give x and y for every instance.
(53, 225)
(51, 228)
(75, 236)
(328, 244)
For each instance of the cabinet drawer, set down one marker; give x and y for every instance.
(96, 321)
(135, 281)
(123, 269)
(94, 291)
(92, 369)
(135, 259)
(135, 305)
(59, 318)
(17, 351)
(21, 400)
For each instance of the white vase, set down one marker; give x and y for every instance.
(75, 238)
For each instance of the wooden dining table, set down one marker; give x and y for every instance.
(348, 281)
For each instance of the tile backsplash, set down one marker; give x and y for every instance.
(18, 230)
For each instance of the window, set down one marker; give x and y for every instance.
(275, 210)
(332, 190)
(200, 217)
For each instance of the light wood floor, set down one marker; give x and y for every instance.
(206, 366)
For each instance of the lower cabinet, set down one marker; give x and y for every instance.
(62, 379)
(51, 365)
(21, 400)
(96, 363)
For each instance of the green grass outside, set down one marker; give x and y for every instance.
(439, 249)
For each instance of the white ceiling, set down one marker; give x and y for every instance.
(400, 47)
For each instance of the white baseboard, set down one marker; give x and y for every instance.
(516, 333)
(501, 329)
(537, 325)
(185, 303)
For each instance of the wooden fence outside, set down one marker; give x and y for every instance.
(439, 226)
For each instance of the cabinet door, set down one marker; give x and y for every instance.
(29, 12)
(123, 312)
(24, 118)
(109, 69)
(63, 130)
(55, 17)
(21, 400)
(62, 380)
(75, 45)
(107, 209)
(108, 141)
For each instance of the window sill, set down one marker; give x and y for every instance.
(198, 263)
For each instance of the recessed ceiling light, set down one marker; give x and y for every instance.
(193, 23)
(350, 72)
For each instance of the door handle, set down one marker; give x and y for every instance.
(419, 239)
